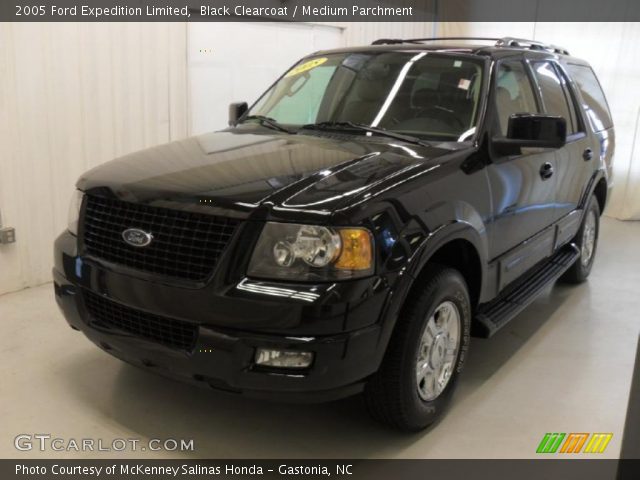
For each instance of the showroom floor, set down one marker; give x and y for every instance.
(564, 365)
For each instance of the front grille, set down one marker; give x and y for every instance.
(185, 245)
(169, 332)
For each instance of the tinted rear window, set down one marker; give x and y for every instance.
(595, 103)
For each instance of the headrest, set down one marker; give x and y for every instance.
(503, 96)
(374, 72)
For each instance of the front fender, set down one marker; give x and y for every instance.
(456, 229)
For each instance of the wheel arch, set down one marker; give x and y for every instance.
(600, 187)
(461, 255)
(600, 191)
(457, 245)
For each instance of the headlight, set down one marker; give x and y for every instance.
(74, 211)
(310, 252)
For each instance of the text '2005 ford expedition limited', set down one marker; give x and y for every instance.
(351, 230)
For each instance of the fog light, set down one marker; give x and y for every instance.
(267, 357)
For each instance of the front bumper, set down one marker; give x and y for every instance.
(340, 324)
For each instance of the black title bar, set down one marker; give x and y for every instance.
(548, 469)
(320, 10)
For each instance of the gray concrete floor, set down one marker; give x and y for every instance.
(564, 365)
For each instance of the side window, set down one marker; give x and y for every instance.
(555, 95)
(514, 93)
(595, 103)
(571, 100)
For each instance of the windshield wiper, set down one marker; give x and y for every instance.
(364, 128)
(268, 122)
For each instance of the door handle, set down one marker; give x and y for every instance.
(587, 154)
(546, 171)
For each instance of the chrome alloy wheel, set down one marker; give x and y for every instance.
(438, 351)
(588, 238)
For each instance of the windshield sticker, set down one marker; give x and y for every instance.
(306, 66)
(464, 84)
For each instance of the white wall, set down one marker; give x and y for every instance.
(611, 48)
(363, 33)
(72, 96)
(238, 61)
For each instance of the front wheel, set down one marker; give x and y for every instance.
(587, 241)
(425, 354)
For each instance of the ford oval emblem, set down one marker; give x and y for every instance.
(137, 237)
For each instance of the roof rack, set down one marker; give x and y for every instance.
(531, 45)
(499, 42)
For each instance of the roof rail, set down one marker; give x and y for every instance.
(531, 45)
(499, 42)
(396, 41)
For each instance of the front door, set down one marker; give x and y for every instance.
(523, 186)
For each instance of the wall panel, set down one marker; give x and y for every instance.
(73, 96)
(363, 33)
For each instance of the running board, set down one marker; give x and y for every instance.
(494, 315)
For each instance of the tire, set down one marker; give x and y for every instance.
(394, 395)
(587, 234)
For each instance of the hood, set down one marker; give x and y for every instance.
(241, 170)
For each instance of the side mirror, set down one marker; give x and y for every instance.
(532, 130)
(236, 110)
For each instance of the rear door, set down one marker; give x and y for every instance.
(595, 112)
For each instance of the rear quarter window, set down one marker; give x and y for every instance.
(595, 103)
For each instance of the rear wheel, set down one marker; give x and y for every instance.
(587, 241)
(425, 354)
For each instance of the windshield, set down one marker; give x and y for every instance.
(427, 95)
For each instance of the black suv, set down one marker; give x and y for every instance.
(351, 230)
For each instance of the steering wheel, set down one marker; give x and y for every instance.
(441, 113)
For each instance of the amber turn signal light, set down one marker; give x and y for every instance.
(357, 250)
